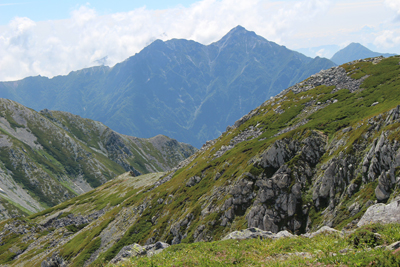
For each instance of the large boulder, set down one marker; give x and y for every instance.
(381, 213)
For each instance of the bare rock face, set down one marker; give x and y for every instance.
(381, 213)
(279, 197)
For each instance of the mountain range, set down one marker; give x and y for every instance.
(174, 88)
(320, 153)
(48, 157)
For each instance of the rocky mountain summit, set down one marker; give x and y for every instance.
(319, 154)
(48, 157)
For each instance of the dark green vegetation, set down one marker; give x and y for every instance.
(321, 250)
(49, 157)
(355, 51)
(175, 87)
(301, 160)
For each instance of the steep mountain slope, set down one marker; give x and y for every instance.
(355, 51)
(51, 156)
(319, 153)
(175, 87)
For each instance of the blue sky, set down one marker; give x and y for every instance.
(51, 38)
(55, 10)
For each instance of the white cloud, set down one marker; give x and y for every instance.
(388, 36)
(57, 47)
(394, 5)
(321, 53)
(388, 39)
(83, 15)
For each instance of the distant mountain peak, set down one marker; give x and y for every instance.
(241, 31)
(238, 29)
(355, 51)
(238, 35)
(358, 46)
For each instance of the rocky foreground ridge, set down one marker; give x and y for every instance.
(48, 157)
(319, 154)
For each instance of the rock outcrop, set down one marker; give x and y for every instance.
(54, 261)
(138, 250)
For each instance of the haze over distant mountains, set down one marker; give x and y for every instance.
(179, 88)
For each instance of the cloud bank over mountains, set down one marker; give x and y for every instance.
(87, 38)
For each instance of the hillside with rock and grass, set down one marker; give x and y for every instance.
(318, 154)
(371, 245)
(175, 87)
(48, 157)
